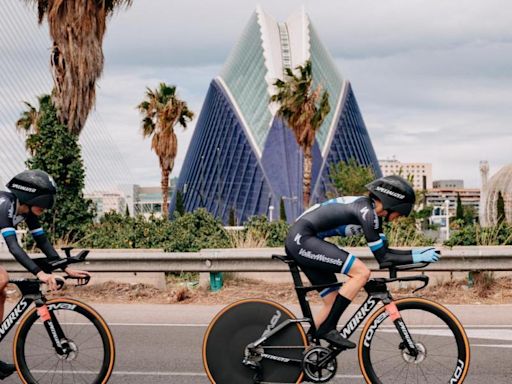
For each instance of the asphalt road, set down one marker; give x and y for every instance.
(159, 344)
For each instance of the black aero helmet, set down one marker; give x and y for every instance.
(34, 188)
(395, 193)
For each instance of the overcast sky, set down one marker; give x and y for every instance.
(433, 78)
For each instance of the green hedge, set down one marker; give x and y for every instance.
(188, 233)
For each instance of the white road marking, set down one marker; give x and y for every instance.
(142, 373)
(492, 345)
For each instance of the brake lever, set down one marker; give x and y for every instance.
(425, 280)
(80, 281)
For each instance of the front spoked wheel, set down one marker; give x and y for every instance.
(88, 342)
(442, 344)
(227, 358)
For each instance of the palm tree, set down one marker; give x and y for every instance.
(29, 120)
(304, 110)
(161, 111)
(77, 28)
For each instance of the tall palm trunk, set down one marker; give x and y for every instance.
(308, 165)
(77, 28)
(165, 192)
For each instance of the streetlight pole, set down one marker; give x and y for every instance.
(292, 200)
(447, 208)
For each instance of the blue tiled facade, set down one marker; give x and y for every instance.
(222, 171)
(351, 140)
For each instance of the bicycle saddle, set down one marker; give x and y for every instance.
(284, 258)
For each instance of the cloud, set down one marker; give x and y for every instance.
(433, 79)
(123, 88)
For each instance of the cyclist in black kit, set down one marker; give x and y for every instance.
(31, 193)
(390, 197)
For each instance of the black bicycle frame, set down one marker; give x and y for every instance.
(31, 292)
(377, 291)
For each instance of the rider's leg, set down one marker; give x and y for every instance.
(4, 280)
(358, 276)
(6, 369)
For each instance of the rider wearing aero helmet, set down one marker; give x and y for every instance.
(34, 188)
(32, 192)
(320, 260)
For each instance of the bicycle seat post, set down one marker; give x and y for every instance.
(301, 293)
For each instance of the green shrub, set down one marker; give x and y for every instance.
(187, 233)
(402, 232)
(195, 231)
(500, 234)
(273, 232)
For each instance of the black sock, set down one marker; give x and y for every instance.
(340, 304)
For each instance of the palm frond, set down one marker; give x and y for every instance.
(148, 127)
(112, 5)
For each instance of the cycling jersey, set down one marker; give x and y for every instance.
(9, 220)
(342, 216)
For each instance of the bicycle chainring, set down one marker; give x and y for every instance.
(318, 366)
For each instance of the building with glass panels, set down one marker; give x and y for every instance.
(242, 157)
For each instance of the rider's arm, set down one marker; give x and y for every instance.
(19, 254)
(421, 255)
(41, 239)
(371, 225)
(8, 231)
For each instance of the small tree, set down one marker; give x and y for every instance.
(459, 215)
(500, 207)
(469, 215)
(180, 203)
(56, 151)
(304, 109)
(161, 111)
(282, 210)
(349, 178)
(232, 218)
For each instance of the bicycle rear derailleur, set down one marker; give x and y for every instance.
(319, 364)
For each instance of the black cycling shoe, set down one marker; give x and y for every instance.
(6, 370)
(333, 337)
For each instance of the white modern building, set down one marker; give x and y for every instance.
(468, 196)
(138, 200)
(499, 183)
(419, 173)
(242, 157)
(451, 183)
(107, 202)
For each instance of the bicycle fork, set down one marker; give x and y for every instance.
(407, 341)
(54, 330)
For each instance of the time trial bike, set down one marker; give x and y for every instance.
(61, 340)
(408, 340)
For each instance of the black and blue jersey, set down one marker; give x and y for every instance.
(342, 216)
(10, 219)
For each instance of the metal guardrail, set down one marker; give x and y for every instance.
(497, 258)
